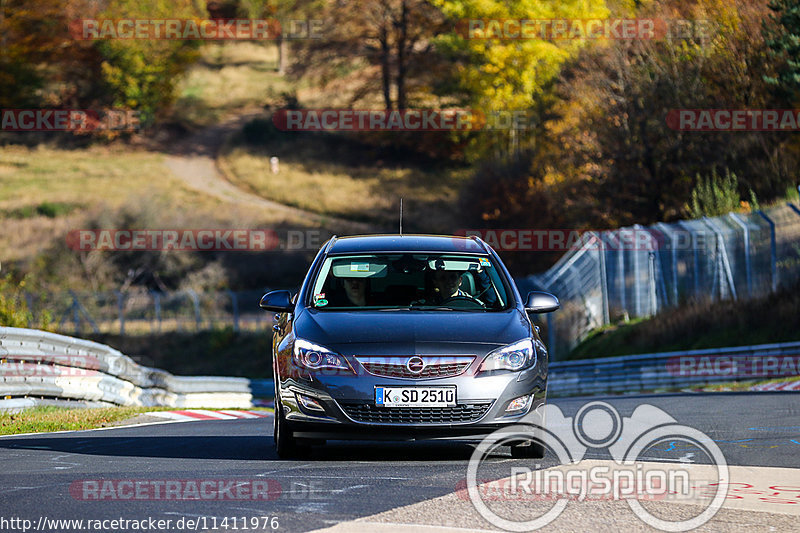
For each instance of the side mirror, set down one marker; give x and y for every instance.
(541, 302)
(278, 301)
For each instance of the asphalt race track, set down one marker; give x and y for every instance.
(383, 487)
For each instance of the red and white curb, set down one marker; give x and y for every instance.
(204, 414)
(785, 385)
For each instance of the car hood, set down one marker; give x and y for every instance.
(410, 330)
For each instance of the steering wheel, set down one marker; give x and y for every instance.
(465, 299)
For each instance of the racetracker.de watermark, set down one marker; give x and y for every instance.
(402, 120)
(213, 489)
(75, 120)
(195, 240)
(53, 366)
(562, 240)
(590, 28)
(734, 120)
(206, 240)
(195, 29)
(741, 366)
(142, 523)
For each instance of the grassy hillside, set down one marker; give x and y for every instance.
(335, 175)
(73, 183)
(55, 187)
(771, 318)
(230, 76)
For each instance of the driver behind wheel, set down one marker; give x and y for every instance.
(445, 285)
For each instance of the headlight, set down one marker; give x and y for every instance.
(312, 356)
(516, 356)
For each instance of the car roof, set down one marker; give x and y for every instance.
(406, 243)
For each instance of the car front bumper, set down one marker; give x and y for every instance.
(349, 410)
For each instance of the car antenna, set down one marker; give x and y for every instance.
(401, 217)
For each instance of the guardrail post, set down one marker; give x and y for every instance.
(196, 303)
(29, 301)
(722, 252)
(637, 298)
(603, 278)
(773, 250)
(157, 307)
(674, 259)
(695, 258)
(235, 306)
(622, 285)
(747, 268)
(551, 336)
(121, 311)
(76, 314)
(651, 260)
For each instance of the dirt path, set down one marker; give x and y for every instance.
(194, 161)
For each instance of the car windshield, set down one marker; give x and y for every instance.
(409, 281)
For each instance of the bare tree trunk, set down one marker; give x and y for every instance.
(401, 57)
(281, 42)
(3, 37)
(386, 67)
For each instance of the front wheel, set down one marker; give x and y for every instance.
(286, 445)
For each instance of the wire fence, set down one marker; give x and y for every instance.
(638, 271)
(137, 312)
(627, 272)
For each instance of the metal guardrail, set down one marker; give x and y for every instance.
(631, 374)
(39, 364)
(673, 370)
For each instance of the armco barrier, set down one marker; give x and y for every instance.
(38, 364)
(630, 374)
(673, 370)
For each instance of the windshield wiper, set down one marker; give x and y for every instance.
(431, 308)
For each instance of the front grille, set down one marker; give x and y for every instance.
(365, 412)
(435, 367)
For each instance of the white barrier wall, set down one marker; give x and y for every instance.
(39, 364)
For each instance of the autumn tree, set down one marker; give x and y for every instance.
(45, 65)
(642, 171)
(388, 42)
(502, 73)
(782, 33)
(38, 57)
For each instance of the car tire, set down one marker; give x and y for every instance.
(529, 450)
(286, 445)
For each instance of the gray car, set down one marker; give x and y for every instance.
(405, 337)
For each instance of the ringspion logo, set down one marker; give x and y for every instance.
(598, 426)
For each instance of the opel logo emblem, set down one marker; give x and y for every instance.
(415, 364)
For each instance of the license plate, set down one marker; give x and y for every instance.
(415, 396)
